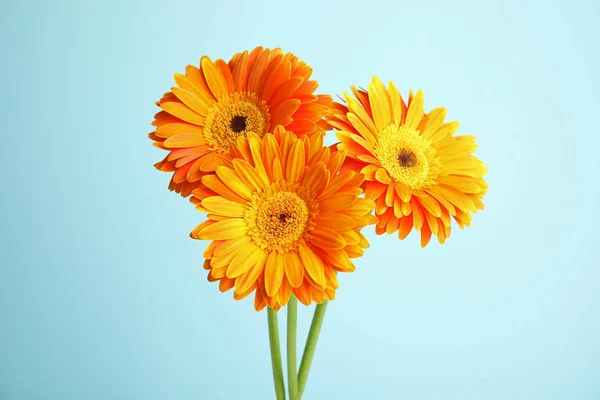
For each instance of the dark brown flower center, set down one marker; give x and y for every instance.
(407, 159)
(283, 217)
(237, 124)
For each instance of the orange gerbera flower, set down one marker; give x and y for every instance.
(215, 104)
(416, 170)
(283, 219)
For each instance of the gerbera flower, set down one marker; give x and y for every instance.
(283, 219)
(418, 172)
(213, 105)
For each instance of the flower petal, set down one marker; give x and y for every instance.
(227, 229)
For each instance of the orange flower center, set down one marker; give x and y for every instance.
(234, 116)
(280, 218)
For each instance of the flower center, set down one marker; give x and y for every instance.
(281, 217)
(238, 123)
(407, 157)
(233, 116)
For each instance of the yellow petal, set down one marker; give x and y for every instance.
(182, 112)
(245, 259)
(389, 196)
(415, 111)
(380, 105)
(228, 246)
(221, 263)
(403, 191)
(230, 178)
(222, 206)
(255, 150)
(295, 162)
(215, 184)
(315, 176)
(417, 214)
(432, 222)
(337, 182)
(444, 131)
(350, 236)
(355, 108)
(362, 129)
(248, 174)
(192, 100)
(277, 173)
(396, 103)
(459, 199)
(430, 204)
(330, 278)
(382, 176)
(245, 281)
(435, 119)
(227, 229)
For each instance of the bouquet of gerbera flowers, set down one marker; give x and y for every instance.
(284, 212)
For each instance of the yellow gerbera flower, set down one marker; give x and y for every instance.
(416, 170)
(283, 219)
(213, 105)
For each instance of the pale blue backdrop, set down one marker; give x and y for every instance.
(102, 293)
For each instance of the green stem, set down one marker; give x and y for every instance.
(311, 346)
(275, 354)
(292, 312)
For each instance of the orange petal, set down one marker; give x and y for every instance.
(286, 109)
(302, 292)
(184, 140)
(336, 202)
(312, 263)
(274, 270)
(406, 225)
(215, 184)
(293, 269)
(226, 73)
(326, 239)
(183, 112)
(294, 167)
(336, 222)
(214, 78)
(239, 71)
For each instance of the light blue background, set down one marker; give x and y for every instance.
(102, 293)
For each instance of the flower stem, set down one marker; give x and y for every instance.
(292, 312)
(275, 354)
(311, 346)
